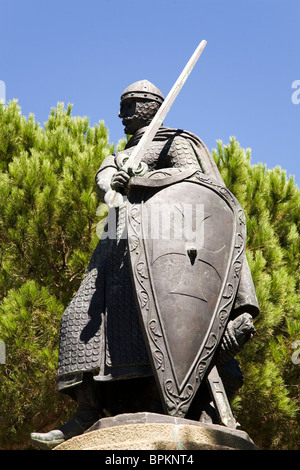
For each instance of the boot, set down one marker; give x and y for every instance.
(87, 414)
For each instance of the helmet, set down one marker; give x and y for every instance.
(143, 89)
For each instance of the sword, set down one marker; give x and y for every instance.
(132, 163)
(220, 399)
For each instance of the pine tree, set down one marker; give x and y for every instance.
(48, 205)
(48, 219)
(268, 406)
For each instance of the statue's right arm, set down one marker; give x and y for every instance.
(111, 177)
(103, 180)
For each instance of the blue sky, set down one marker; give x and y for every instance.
(87, 52)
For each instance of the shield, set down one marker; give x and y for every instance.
(186, 237)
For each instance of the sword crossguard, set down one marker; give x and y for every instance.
(114, 198)
(141, 170)
(123, 164)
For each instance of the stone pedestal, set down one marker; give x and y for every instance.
(151, 431)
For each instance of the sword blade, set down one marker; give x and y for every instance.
(138, 152)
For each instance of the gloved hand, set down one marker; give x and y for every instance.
(237, 333)
(120, 181)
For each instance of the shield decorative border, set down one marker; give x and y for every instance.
(177, 397)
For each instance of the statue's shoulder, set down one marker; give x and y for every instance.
(108, 162)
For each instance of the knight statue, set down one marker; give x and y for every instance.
(155, 314)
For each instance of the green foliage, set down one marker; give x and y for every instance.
(268, 406)
(48, 218)
(48, 205)
(48, 200)
(29, 328)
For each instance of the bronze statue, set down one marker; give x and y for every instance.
(155, 316)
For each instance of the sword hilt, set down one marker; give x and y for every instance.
(114, 198)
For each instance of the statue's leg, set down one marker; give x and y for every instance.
(132, 396)
(88, 412)
(202, 408)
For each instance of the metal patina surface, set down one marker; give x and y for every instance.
(186, 244)
(167, 300)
